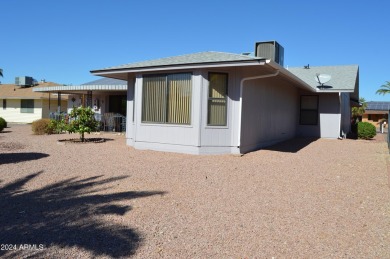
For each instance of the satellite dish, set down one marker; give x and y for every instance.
(322, 78)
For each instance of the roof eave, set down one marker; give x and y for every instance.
(335, 91)
(180, 67)
(82, 88)
(290, 75)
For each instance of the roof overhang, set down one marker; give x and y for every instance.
(376, 112)
(81, 88)
(290, 76)
(354, 102)
(25, 98)
(121, 73)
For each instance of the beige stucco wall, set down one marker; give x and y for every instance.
(12, 112)
(53, 107)
(376, 119)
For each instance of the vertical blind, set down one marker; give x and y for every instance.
(179, 98)
(216, 115)
(167, 98)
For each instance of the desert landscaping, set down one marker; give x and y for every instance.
(304, 198)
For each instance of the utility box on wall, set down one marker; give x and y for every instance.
(270, 50)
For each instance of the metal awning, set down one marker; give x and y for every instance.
(80, 88)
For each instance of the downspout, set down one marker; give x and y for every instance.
(240, 106)
(341, 132)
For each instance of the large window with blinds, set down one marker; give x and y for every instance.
(217, 99)
(167, 98)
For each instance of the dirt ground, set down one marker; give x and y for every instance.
(304, 198)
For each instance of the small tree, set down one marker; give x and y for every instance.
(82, 121)
(58, 125)
(359, 111)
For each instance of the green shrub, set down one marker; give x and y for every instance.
(366, 130)
(3, 124)
(57, 126)
(40, 127)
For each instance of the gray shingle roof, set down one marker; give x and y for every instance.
(195, 58)
(343, 77)
(106, 81)
(378, 106)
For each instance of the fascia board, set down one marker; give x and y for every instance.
(183, 67)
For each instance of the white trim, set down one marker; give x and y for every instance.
(184, 149)
(171, 125)
(334, 91)
(341, 114)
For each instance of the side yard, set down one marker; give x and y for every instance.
(299, 199)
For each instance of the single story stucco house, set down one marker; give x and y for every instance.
(377, 113)
(20, 104)
(216, 102)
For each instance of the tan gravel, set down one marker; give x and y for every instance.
(299, 199)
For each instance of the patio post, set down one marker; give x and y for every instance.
(59, 102)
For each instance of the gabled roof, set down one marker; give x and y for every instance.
(107, 81)
(378, 106)
(344, 78)
(207, 57)
(11, 91)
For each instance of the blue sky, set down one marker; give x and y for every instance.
(61, 41)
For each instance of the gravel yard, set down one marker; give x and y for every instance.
(299, 199)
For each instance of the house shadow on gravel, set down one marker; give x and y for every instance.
(292, 145)
(9, 158)
(66, 214)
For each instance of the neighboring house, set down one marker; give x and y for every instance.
(215, 102)
(376, 113)
(19, 103)
(104, 95)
